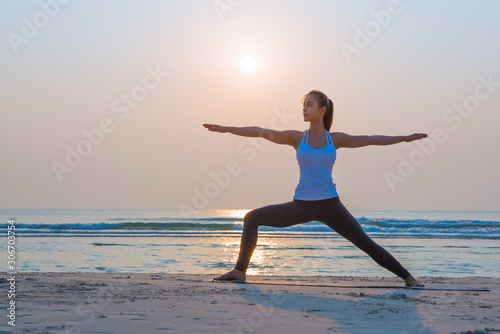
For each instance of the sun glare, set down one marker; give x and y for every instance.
(249, 64)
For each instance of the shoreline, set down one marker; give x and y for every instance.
(90, 302)
(275, 256)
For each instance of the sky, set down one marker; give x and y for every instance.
(103, 102)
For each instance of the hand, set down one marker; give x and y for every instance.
(215, 128)
(415, 136)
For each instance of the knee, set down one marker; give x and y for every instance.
(249, 219)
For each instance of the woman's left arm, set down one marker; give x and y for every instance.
(344, 140)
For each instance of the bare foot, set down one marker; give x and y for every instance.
(234, 274)
(412, 281)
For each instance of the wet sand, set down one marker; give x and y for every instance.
(186, 303)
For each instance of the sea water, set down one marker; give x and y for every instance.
(427, 243)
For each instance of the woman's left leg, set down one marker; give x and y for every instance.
(276, 215)
(334, 214)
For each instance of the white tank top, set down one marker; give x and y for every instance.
(316, 166)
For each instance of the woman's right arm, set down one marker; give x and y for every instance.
(288, 137)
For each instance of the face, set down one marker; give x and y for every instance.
(311, 110)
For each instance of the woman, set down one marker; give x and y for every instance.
(315, 197)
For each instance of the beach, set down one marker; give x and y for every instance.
(326, 148)
(150, 271)
(168, 241)
(58, 302)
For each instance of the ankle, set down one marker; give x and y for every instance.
(241, 271)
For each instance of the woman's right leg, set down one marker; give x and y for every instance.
(276, 215)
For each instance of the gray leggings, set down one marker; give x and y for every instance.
(328, 211)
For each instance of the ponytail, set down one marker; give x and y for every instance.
(328, 116)
(323, 101)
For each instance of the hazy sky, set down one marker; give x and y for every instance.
(102, 102)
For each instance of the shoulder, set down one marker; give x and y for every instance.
(292, 133)
(295, 133)
(286, 137)
(338, 138)
(296, 137)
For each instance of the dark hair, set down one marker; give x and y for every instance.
(323, 101)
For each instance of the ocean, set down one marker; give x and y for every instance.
(427, 243)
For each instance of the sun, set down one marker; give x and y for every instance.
(249, 64)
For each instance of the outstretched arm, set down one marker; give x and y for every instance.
(344, 140)
(278, 137)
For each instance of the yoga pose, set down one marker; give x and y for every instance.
(316, 196)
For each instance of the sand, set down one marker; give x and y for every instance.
(184, 303)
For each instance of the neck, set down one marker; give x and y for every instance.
(317, 127)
